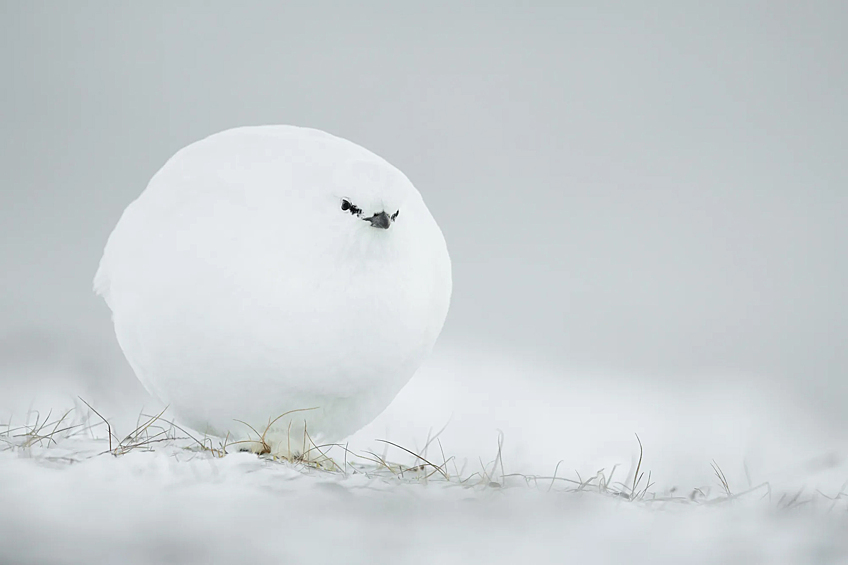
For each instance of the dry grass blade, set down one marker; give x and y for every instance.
(108, 425)
(217, 452)
(793, 501)
(648, 484)
(440, 468)
(442, 451)
(272, 422)
(721, 478)
(537, 478)
(435, 438)
(304, 459)
(249, 426)
(499, 458)
(136, 433)
(380, 461)
(265, 448)
(444, 474)
(56, 427)
(554, 478)
(636, 476)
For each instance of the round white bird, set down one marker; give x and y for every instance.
(278, 279)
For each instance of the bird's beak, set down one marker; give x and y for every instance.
(381, 220)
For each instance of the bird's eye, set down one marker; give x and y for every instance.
(347, 206)
(395, 215)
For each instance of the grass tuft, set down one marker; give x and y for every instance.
(51, 439)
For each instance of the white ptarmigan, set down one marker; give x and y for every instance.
(271, 269)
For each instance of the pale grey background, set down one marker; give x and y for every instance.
(654, 190)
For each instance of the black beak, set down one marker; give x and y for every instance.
(380, 220)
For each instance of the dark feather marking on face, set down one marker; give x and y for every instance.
(379, 220)
(347, 206)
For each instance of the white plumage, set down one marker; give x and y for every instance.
(243, 284)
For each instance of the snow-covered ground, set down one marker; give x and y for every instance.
(558, 491)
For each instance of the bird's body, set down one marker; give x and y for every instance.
(270, 269)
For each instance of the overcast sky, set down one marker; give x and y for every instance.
(656, 190)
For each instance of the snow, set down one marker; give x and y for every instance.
(171, 502)
(148, 508)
